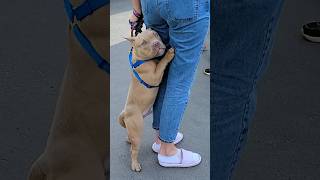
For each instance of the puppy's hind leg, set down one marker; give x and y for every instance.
(134, 125)
(121, 120)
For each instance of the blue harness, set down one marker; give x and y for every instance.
(136, 74)
(76, 14)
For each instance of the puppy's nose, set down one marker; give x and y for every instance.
(156, 44)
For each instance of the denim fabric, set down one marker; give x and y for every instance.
(183, 25)
(241, 41)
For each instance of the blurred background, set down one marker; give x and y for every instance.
(33, 55)
(284, 139)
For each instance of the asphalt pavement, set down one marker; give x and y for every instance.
(33, 54)
(284, 137)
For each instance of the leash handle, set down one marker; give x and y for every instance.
(136, 26)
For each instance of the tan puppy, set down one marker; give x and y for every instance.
(147, 45)
(78, 144)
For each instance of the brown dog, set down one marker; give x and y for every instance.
(147, 45)
(77, 146)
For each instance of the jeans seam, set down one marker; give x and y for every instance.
(196, 9)
(243, 121)
(265, 48)
(207, 6)
(165, 92)
(237, 149)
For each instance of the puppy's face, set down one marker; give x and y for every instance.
(147, 45)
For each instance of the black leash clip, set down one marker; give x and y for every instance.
(136, 27)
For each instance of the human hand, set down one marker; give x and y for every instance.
(136, 22)
(133, 18)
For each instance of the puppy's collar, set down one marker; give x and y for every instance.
(136, 74)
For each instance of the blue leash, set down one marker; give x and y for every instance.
(76, 14)
(136, 74)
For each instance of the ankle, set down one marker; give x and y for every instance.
(157, 140)
(167, 149)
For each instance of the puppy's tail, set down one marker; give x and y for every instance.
(121, 119)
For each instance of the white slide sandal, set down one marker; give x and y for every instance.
(156, 147)
(181, 159)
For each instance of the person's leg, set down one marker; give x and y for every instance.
(153, 20)
(187, 30)
(188, 27)
(241, 42)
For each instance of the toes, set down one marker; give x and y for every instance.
(136, 167)
(171, 51)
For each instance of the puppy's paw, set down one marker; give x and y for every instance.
(135, 166)
(170, 54)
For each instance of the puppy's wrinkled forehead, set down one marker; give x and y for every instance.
(147, 36)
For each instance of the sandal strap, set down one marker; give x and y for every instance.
(181, 159)
(186, 154)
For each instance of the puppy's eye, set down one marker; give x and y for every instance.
(156, 34)
(143, 42)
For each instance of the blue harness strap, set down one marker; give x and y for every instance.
(136, 74)
(76, 14)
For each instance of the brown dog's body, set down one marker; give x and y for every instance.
(140, 99)
(77, 146)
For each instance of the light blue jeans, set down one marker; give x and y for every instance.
(182, 24)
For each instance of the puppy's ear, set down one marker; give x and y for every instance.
(131, 39)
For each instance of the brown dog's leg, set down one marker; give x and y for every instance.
(121, 121)
(161, 66)
(36, 172)
(78, 144)
(134, 124)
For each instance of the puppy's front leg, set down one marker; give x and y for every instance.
(161, 66)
